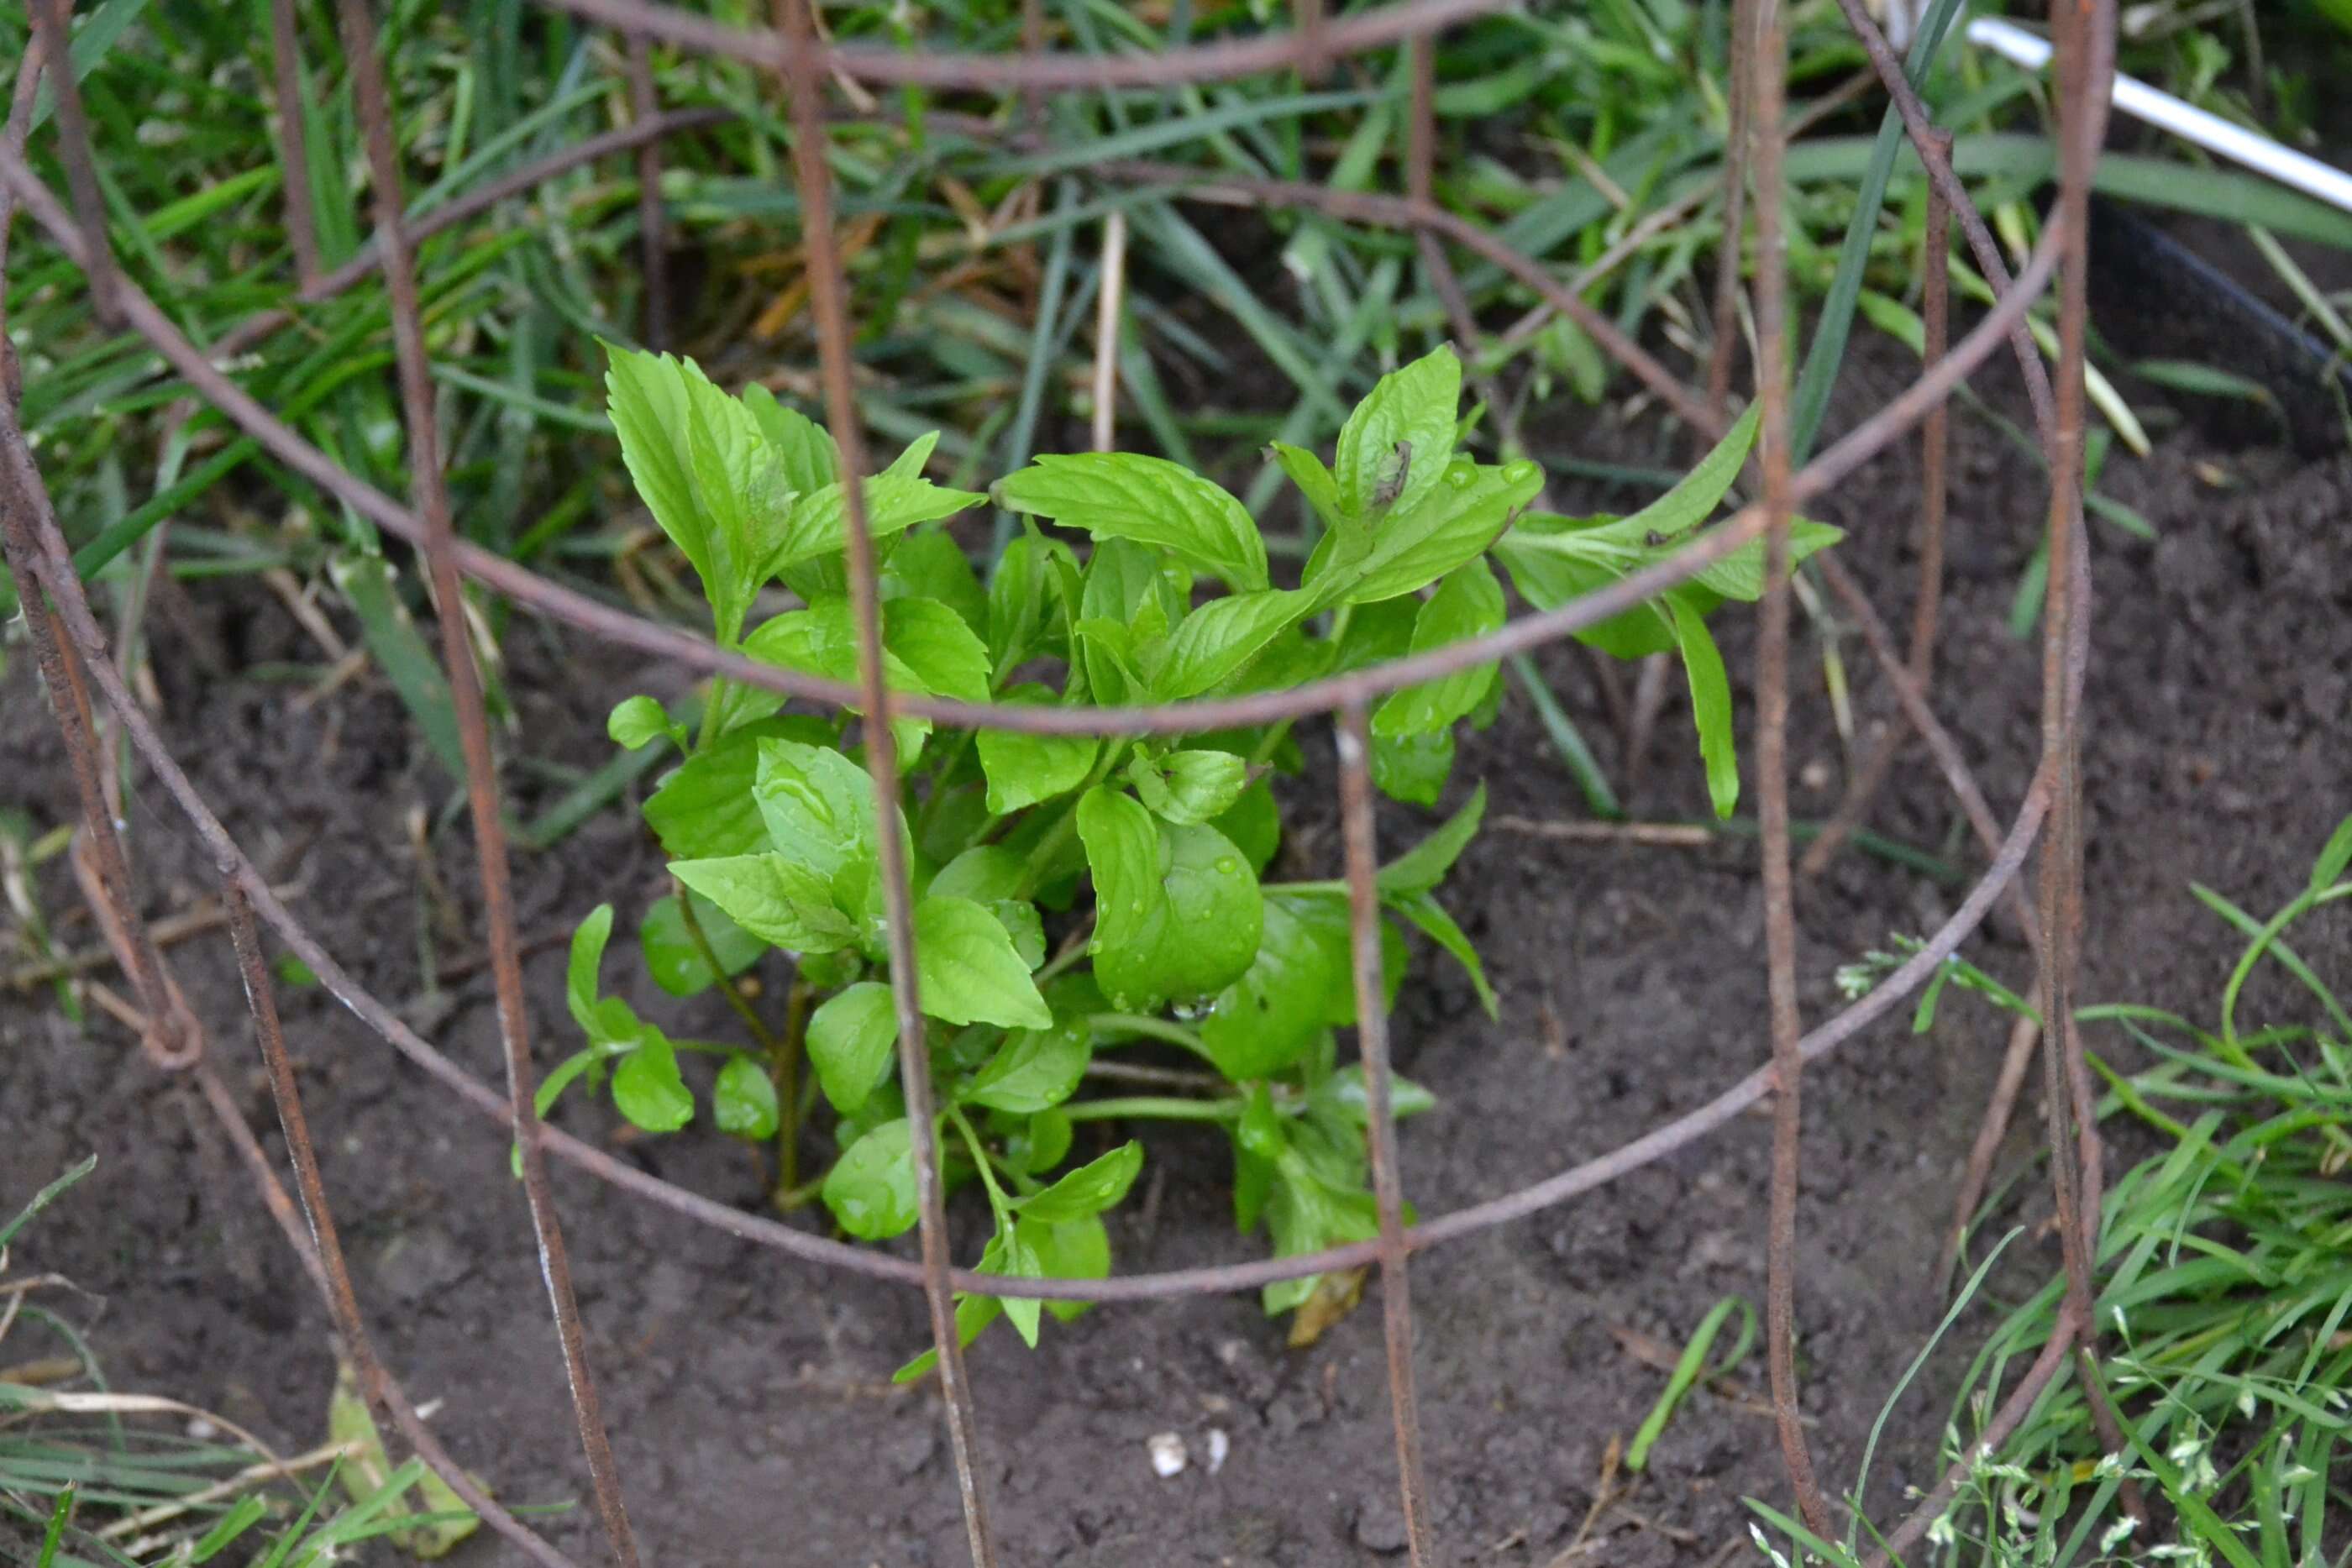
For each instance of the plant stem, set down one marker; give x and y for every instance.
(1164, 1107)
(785, 1068)
(1148, 1028)
(996, 1199)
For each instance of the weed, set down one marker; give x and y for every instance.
(2224, 1287)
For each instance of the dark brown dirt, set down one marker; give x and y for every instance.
(748, 1396)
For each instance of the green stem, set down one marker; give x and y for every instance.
(997, 1201)
(1148, 1028)
(1163, 1107)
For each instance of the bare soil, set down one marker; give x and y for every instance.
(748, 1397)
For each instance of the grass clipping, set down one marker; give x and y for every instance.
(440, 1520)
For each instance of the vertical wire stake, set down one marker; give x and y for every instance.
(293, 139)
(826, 303)
(1388, 1189)
(324, 1257)
(430, 495)
(55, 19)
(1110, 304)
(652, 221)
(1767, 136)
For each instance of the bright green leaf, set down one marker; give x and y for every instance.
(587, 957)
(648, 1088)
(871, 1188)
(853, 1037)
(1150, 500)
(744, 1101)
(970, 971)
(1034, 1070)
(672, 956)
(1423, 866)
(1710, 691)
(1394, 448)
(773, 898)
(1091, 1188)
(1189, 786)
(1468, 604)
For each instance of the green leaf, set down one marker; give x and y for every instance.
(933, 641)
(1153, 501)
(581, 988)
(706, 810)
(932, 566)
(1740, 574)
(1088, 1191)
(1313, 480)
(1424, 865)
(809, 459)
(772, 897)
(1217, 642)
(744, 1101)
(647, 398)
(1189, 786)
(2334, 859)
(1554, 559)
(817, 524)
(636, 720)
(1022, 770)
(1395, 446)
(1468, 604)
(1412, 767)
(983, 873)
(973, 1315)
(823, 641)
(1343, 1092)
(1178, 912)
(1021, 598)
(1034, 1070)
(1025, 925)
(818, 808)
(1068, 1249)
(671, 956)
(852, 1039)
(970, 971)
(648, 1088)
(1254, 822)
(1695, 498)
(871, 1188)
(1298, 985)
(1017, 1258)
(1040, 1142)
(1710, 691)
(1426, 913)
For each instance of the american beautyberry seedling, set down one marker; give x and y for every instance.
(1072, 897)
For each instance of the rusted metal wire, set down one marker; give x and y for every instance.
(1926, 603)
(168, 1040)
(54, 21)
(431, 496)
(1732, 249)
(293, 139)
(324, 1257)
(38, 557)
(1195, 63)
(826, 302)
(653, 223)
(528, 589)
(1355, 748)
(1767, 50)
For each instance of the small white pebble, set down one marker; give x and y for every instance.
(1219, 1447)
(1168, 1457)
(203, 1430)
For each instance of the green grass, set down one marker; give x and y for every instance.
(2223, 1286)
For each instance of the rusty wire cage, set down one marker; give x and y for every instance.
(72, 651)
